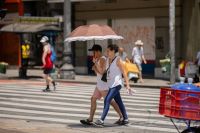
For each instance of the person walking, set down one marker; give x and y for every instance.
(138, 57)
(47, 63)
(101, 89)
(115, 69)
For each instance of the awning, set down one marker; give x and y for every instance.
(28, 28)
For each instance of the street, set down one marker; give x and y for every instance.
(22, 102)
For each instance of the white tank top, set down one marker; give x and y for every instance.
(100, 84)
(114, 75)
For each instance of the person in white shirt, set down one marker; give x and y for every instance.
(138, 57)
(101, 89)
(115, 69)
(198, 61)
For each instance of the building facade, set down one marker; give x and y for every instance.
(146, 20)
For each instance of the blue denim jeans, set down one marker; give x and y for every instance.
(113, 93)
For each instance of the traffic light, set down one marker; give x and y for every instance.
(3, 13)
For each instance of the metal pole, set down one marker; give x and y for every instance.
(67, 17)
(67, 70)
(172, 40)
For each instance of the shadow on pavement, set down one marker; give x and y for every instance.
(9, 131)
(91, 126)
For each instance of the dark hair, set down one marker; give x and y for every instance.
(113, 47)
(96, 47)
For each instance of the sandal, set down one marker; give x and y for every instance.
(119, 121)
(86, 122)
(124, 122)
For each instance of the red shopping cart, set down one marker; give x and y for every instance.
(183, 105)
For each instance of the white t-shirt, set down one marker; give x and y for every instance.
(198, 58)
(114, 74)
(137, 54)
(100, 84)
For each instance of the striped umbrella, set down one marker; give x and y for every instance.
(92, 32)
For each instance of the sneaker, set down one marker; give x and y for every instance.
(124, 122)
(86, 122)
(99, 122)
(46, 90)
(118, 122)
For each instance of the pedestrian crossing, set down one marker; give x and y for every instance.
(71, 102)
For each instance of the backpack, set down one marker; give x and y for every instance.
(53, 55)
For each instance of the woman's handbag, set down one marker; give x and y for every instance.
(104, 76)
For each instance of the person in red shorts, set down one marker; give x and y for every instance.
(47, 63)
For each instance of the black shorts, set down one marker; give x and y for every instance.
(47, 70)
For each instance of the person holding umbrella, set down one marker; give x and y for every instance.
(101, 89)
(115, 69)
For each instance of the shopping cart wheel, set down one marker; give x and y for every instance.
(192, 130)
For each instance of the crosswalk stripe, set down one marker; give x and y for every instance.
(88, 91)
(80, 95)
(84, 98)
(53, 103)
(61, 98)
(84, 88)
(76, 109)
(161, 122)
(23, 111)
(73, 109)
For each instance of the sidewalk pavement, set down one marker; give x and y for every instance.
(35, 74)
(26, 126)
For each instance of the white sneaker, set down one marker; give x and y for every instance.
(99, 122)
